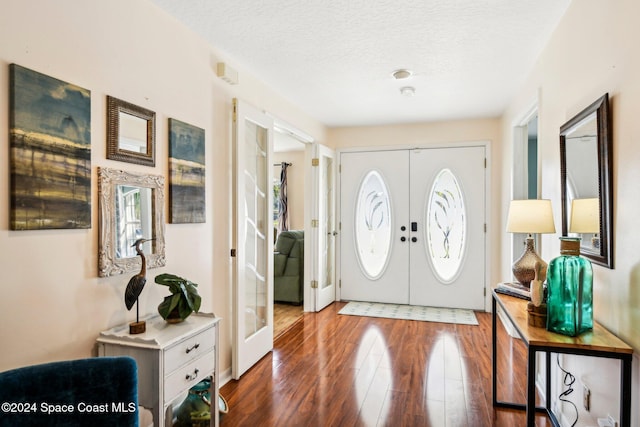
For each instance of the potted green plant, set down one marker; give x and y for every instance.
(183, 301)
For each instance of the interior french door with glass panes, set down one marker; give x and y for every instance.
(413, 226)
(253, 237)
(326, 229)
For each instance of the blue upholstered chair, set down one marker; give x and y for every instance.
(101, 391)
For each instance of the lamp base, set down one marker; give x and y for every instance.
(524, 268)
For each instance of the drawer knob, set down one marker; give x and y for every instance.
(193, 376)
(193, 347)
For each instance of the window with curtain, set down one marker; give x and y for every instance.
(283, 215)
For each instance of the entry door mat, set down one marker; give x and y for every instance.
(410, 312)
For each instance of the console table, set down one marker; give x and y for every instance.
(171, 359)
(597, 343)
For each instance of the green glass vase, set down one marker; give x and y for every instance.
(195, 409)
(570, 290)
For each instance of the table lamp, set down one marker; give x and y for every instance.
(585, 218)
(530, 216)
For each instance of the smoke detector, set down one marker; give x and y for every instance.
(408, 91)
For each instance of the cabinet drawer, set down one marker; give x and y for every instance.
(188, 350)
(189, 375)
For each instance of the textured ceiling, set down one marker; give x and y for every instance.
(334, 58)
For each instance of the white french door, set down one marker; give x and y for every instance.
(413, 226)
(326, 230)
(252, 237)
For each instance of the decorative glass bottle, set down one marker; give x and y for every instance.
(570, 290)
(195, 410)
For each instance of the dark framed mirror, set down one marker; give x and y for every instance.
(131, 207)
(131, 133)
(586, 181)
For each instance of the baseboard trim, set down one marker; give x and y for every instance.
(225, 377)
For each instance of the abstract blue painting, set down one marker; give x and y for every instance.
(186, 173)
(50, 144)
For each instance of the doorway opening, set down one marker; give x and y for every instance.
(525, 171)
(254, 132)
(288, 225)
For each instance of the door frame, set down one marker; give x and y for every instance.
(519, 172)
(274, 125)
(309, 204)
(488, 197)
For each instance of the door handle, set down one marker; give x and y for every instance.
(403, 239)
(414, 226)
(414, 239)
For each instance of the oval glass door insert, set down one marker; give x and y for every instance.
(373, 225)
(446, 229)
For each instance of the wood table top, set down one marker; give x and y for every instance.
(599, 339)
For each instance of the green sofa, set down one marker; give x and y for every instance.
(288, 267)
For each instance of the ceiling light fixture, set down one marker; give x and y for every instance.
(408, 91)
(401, 74)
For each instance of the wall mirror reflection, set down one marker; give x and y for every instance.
(130, 132)
(585, 160)
(131, 208)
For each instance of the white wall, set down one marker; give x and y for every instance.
(592, 52)
(53, 304)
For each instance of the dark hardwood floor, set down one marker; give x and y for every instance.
(335, 370)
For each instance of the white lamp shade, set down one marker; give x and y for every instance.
(585, 216)
(530, 216)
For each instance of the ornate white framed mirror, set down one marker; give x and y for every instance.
(131, 207)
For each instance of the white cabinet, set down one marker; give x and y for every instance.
(171, 359)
